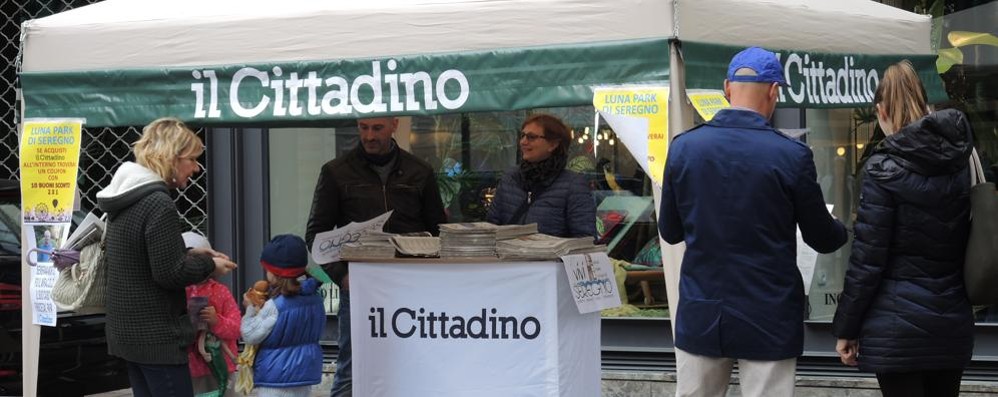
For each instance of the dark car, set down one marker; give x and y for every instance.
(73, 359)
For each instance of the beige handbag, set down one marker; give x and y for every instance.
(82, 287)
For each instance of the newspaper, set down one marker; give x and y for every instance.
(540, 246)
(428, 247)
(88, 232)
(328, 245)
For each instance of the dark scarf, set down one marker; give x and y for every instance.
(379, 160)
(542, 173)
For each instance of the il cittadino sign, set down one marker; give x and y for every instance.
(815, 80)
(280, 92)
(827, 80)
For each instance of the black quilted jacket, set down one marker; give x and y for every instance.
(565, 208)
(904, 297)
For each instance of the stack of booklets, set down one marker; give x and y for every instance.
(373, 245)
(426, 247)
(544, 247)
(478, 239)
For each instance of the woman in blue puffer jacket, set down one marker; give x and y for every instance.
(903, 312)
(540, 190)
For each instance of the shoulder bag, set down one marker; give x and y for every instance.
(980, 270)
(82, 286)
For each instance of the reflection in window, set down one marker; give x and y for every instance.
(470, 153)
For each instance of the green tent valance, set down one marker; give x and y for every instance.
(817, 80)
(271, 94)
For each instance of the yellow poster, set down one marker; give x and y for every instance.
(708, 102)
(640, 118)
(50, 153)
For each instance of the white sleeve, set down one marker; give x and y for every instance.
(256, 326)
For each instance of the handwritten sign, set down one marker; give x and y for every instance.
(43, 278)
(327, 245)
(591, 280)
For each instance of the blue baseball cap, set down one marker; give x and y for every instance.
(763, 63)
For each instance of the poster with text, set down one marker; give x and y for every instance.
(50, 154)
(708, 102)
(49, 160)
(639, 115)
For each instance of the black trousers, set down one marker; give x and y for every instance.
(941, 383)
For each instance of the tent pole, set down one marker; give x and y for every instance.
(30, 332)
(680, 119)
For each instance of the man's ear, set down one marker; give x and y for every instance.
(727, 90)
(774, 91)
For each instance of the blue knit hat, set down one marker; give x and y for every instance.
(285, 256)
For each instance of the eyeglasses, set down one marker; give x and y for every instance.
(531, 137)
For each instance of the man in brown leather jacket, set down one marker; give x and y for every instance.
(374, 178)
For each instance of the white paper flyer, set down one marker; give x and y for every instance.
(591, 280)
(43, 276)
(327, 245)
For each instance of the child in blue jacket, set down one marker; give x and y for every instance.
(288, 326)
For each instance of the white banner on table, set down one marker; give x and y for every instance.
(470, 329)
(327, 245)
(590, 276)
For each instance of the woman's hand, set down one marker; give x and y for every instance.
(222, 267)
(848, 350)
(209, 316)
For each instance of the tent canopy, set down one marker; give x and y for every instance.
(125, 62)
(117, 34)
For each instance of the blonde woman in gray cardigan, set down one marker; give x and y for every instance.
(148, 266)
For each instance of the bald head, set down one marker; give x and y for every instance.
(760, 97)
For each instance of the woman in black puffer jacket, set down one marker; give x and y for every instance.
(541, 190)
(904, 313)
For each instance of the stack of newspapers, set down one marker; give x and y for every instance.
(478, 239)
(373, 245)
(544, 247)
(418, 246)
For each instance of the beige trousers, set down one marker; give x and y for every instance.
(702, 376)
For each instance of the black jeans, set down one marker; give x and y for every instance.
(941, 383)
(152, 380)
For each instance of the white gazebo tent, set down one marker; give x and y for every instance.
(126, 62)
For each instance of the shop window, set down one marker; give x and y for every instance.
(470, 153)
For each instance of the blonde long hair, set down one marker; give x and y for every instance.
(163, 142)
(901, 95)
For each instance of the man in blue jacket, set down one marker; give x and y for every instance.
(735, 190)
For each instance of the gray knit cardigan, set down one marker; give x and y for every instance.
(147, 269)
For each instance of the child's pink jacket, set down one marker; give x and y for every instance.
(227, 328)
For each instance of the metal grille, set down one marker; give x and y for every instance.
(103, 149)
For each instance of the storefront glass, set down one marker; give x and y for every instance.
(841, 139)
(470, 152)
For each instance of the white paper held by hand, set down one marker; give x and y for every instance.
(327, 245)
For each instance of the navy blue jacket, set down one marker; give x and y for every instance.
(291, 355)
(735, 190)
(904, 297)
(564, 209)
